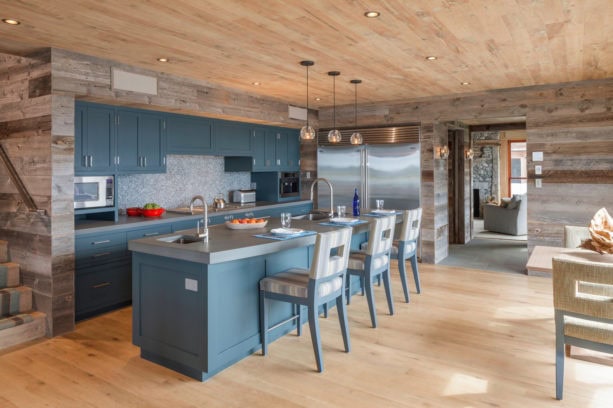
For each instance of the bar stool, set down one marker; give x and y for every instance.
(374, 262)
(406, 248)
(324, 282)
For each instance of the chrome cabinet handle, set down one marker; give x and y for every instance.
(101, 254)
(101, 285)
(151, 234)
(145, 161)
(101, 242)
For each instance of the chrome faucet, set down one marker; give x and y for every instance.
(331, 193)
(205, 220)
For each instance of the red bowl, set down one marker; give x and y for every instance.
(134, 211)
(152, 212)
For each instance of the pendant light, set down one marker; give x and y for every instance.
(356, 137)
(334, 136)
(307, 132)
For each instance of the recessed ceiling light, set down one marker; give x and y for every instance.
(256, 83)
(464, 83)
(372, 14)
(163, 59)
(11, 21)
(318, 98)
(431, 58)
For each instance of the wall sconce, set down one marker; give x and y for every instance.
(443, 152)
(469, 154)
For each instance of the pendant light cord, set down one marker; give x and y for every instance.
(334, 100)
(307, 101)
(355, 107)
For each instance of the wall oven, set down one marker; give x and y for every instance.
(289, 184)
(94, 191)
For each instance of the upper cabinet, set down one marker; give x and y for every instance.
(188, 135)
(94, 139)
(118, 140)
(111, 140)
(140, 142)
(264, 149)
(232, 138)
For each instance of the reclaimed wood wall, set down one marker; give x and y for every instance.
(26, 133)
(572, 123)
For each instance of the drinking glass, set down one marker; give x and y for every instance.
(379, 204)
(340, 210)
(286, 220)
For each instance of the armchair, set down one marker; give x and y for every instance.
(581, 319)
(511, 219)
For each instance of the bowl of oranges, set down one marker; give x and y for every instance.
(246, 223)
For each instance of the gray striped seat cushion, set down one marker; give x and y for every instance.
(357, 261)
(409, 248)
(294, 282)
(15, 300)
(12, 321)
(9, 275)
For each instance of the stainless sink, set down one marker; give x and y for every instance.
(313, 216)
(181, 239)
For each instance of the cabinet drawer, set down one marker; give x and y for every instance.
(184, 225)
(99, 256)
(149, 231)
(101, 287)
(100, 241)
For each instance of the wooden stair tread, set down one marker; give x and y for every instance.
(25, 332)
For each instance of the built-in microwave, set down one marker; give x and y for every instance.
(289, 184)
(94, 191)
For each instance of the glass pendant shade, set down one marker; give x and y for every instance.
(334, 136)
(307, 132)
(356, 138)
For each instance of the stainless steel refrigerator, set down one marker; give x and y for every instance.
(388, 172)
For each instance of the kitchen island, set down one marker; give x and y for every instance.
(196, 306)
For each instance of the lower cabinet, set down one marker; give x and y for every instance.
(103, 264)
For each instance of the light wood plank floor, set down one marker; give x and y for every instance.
(471, 339)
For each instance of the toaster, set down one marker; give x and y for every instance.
(243, 196)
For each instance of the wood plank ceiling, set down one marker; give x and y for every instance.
(234, 43)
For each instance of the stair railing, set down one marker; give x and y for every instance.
(26, 198)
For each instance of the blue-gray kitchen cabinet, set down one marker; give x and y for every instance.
(140, 142)
(94, 139)
(188, 135)
(232, 138)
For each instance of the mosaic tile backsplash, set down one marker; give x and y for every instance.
(185, 177)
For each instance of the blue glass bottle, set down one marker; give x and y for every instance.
(356, 203)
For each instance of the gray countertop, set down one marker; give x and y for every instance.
(227, 245)
(123, 222)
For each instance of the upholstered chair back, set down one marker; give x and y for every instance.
(381, 235)
(411, 223)
(331, 253)
(573, 236)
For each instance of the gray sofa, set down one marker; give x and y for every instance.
(509, 218)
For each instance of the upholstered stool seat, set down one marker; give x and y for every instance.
(374, 262)
(322, 283)
(294, 282)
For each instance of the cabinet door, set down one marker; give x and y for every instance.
(293, 149)
(127, 141)
(232, 139)
(288, 150)
(151, 151)
(97, 139)
(264, 145)
(188, 135)
(281, 150)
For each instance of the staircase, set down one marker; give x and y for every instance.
(18, 322)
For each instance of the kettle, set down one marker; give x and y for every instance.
(219, 202)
